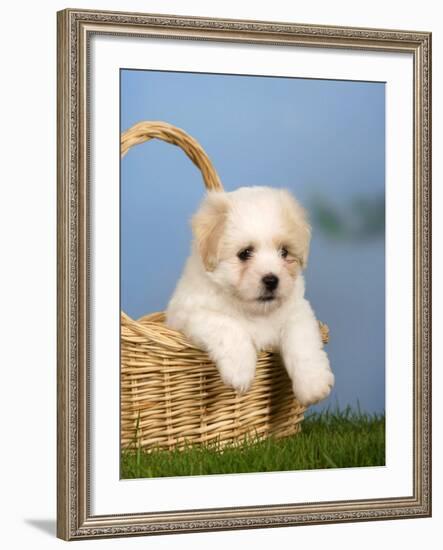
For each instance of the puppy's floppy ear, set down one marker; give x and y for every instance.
(297, 226)
(208, 226)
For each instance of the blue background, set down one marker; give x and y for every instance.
(324, 140)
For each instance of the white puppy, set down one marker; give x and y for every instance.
(242, 289)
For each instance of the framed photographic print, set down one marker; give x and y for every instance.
(243, 274)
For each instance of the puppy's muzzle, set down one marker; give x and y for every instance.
(270, 282)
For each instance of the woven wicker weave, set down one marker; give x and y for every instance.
(171, 393)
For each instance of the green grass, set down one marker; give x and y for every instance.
(339, 439)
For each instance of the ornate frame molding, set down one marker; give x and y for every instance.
(75, 28)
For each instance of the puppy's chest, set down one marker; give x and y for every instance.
(265, 332)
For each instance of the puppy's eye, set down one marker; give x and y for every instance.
(245, 254)
(284, 252)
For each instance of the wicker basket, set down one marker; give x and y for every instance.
(171, 393)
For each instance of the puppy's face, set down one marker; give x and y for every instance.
(253, 243)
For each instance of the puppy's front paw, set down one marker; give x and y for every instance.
(238, 370)
(312, 380)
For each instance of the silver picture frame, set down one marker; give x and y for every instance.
(75, 29)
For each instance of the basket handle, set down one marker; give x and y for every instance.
(146, 130)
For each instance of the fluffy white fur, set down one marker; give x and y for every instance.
(223, 305)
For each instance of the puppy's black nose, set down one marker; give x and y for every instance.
(270, 281)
